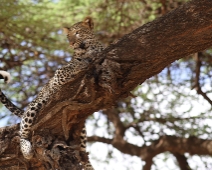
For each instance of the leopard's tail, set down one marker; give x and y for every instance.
(4, 100)
(5, 75)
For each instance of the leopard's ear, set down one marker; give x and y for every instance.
(88, 21)
(66, 30)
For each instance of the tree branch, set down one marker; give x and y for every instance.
(113, 116)
(182, 161)
(148, 163)
(197, 84)
(173, 144)
(150, 48)
(100, 139)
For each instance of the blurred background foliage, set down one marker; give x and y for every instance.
(174, 102)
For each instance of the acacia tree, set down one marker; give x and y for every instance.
(133, 59)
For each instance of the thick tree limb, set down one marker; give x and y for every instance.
(111, 76)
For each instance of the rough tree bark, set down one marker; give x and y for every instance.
(135, 58)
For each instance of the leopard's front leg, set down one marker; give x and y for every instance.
(25, 128)
(32, 111)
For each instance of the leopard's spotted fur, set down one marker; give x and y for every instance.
(82, 40)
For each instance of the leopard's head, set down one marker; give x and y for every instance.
(79, 32)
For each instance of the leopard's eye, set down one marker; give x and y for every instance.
(77, 34)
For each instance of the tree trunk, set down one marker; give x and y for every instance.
(110, 76)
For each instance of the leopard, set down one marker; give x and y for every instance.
(82, 40)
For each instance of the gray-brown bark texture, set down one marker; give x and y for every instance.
(110, 76)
